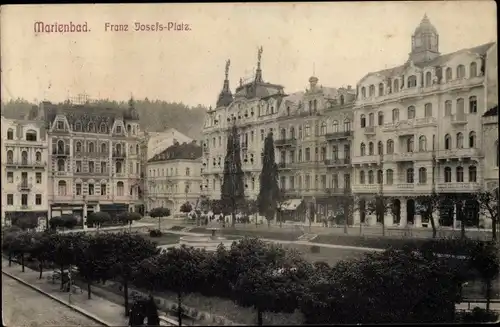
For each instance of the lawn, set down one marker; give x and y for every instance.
(164, 239)
(292, 235)
(328, 255)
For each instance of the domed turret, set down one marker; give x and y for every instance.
(131, 113)
(425, 27)
(424, 42)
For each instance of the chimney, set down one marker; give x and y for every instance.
(349, 87)
(174, 141)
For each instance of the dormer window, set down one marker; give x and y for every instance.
(31, 135)
(60, 125)
(118, 129)
(103, 128)
(412, 81)
(10, 134)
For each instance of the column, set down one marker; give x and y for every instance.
(403, 220)
(84, 216)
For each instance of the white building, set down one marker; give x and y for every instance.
(418, 128)
(24, 171)
(159, 141)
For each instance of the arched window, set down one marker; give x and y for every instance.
(38, 157)
(460, 174)
(396, 86)
(363, 92)
(119, 188)
(60, 165)
(31, 135)
(428, 79)
(91, 127)
(118, 167)
(390, 146)
(380, 118)
(372, 90)
(315, 105)
(412, 81)
(307, 130)
(129, 128)
(137, 149)
(409, 175)
(472, 174)
(24, 158)
(380, 147)
(473, 70)
(371, 150)
(335, 152)
(10, 134)
(447, 108)
(428, 110)
(460, 107)
(287, 112)
(103, 128)
(472, 140)
(473, 104)
(300, 132)
(118, 148)
(370, 177)
(283, 134)
(78, 147)
(395, 115)
(447, 174)
(409, 144)
(411, 112)
(103, 148)
(362, 149)
(323, 128)
(10, 156)
(335, 126)
(460, 141)
(447, 142)
(460, 71)
(347, 125)
(60, 146)
(389, 176)
(61, 187)
(380, 177)
(91, 147)
(361, 177)
(422, 175)
(449, 76)
(381, 89)
(422, 143)
(371, 119)
(363, 121)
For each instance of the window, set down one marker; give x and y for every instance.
(380, 177)
(411, 112)
(409, 175)
(472, 174)
(363, 92)
(460, 107)
(323, 128)
(300, 132)
(389, 176)
(60, 165)
(78, 189)
(371, 150)
(372, 90)
(428, 110)
(10, 134)
(307, 130)
(10, 177)
(363, 121)
(396, 85)
(449, 76)
(371, 119)
(38, 199)
(335, 152)
(292, 133)
(78, 147)
(422, 175)
(323, 154)
(428, 79)
(315, 106)
(78, 166)
(103, 148)
(118, 167)
(409, 144)
(24, 199)
(103, 189)
(395, 115)
(91, 147)
(412, 81)
(103, 128)
(38, 178)
(335, 126)
(91, 167)
(460, 174)
(380, 118)
(362, 149)
(473, 104)
(460, 141)
(119, 188)
(460, 71)
(447, 142)
(390, 146)
(361, 177)
(10, 156)
(91, 189)
(447, 108)
(335, 181)
(30, 135)
(61, 187)
(472, 140)
(422, 143)
(342, 99)
(188, 172)
(473, 70)
(283, 134)
(300, 155)
(103, 166)
(118, 129)
(347, 125)
(380, 148)
(347, 151)
(308, 154)
(380, 89)
(370, 177)
(24, 158)
(38, 157)
(10, 199)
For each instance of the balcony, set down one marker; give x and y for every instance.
(370, 130)
(24, 163)
(405, 127)
(459, 154)
(119, 155)
(285, 142)
(365, 188)
(337, 162)
(459, 119)
(24, 186)
(458, 187)
(366, 160)
(337, 191)
(408, 156)
(338, 136)
(244, 145)
(25, 207)
(284, 166)
(59, 152)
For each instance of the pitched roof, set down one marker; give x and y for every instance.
(186, 151)
(491, 112)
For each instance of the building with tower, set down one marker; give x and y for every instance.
(418, 129)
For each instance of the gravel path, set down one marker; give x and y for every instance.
(24, 307)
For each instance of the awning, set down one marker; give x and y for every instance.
(290, 205)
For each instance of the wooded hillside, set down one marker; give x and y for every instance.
(155, 116)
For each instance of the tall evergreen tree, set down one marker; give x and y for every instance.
(233, 188)
(269, 191)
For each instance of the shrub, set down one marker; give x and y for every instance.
(186, 207)
(315, 249)
(159, 212)
(478, 315)
(155, 233)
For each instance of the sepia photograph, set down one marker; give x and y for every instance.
(208, 164)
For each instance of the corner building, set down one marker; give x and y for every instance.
(94, 158)
(418, 128)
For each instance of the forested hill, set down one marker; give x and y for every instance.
(155, 116)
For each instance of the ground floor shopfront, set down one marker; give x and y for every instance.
(82, 210)
(35, 218)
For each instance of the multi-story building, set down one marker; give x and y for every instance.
(159, 141)
(94, 158)
(491, 149)
(253, 109)
(24, 171)
(418, 128)
(174, 177)
(314, 145)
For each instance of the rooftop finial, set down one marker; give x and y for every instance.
(258, 75)
(259, 56)
(228, 63)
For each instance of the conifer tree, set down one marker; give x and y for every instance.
(269, 191)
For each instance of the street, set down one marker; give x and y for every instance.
(24, 307)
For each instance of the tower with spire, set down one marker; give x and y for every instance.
(424, 42)
(225, 96)
(258, 73)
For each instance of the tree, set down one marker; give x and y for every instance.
(159, 213)
(8, 243)
(430, 205)
(129, 217)
(488, 206)
(233, 189)
(460, 204)
(186, 207)
(64, 221)
(40, 249)
(269, 191)
(96, 219)
(380, 206)
(485, 259)
(63, 251)
(26, 222)
(21, 245)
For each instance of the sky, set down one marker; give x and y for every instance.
(337, 42)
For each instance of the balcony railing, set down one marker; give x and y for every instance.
(338, 162)
(459, 153)
(119, 154)
(458, 187)
(409, 125)
(370, 130)
(24, 186)
(338, 135)
(408, 156)
(373, 159)
(61, 152)
(459, 119)
(24, 163)
(285, 142)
